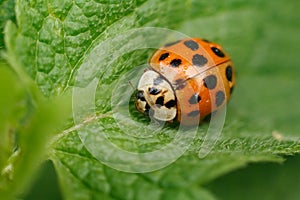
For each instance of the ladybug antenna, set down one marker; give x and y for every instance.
(131, 85)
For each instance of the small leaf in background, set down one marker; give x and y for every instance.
(26, 128)
(12, 104)
(6, 13)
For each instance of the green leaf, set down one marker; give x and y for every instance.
(25, 128)
(6, 13)
(261, 122)
(60, 34)
(12, 109)
(84, 177)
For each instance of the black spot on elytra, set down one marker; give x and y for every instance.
(191, 44)
(160, 101)
(199, 60)
(172, 43)
(154, 91)
(220, 97)
(195, 98)
(163, 56)
(140, 95)
(194, 113)
(218, 52)
(229, 73)
(170, 103)
(175, 62)
(179, 84)
(158, 80)
(210, 81)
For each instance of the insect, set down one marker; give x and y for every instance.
(188, 80)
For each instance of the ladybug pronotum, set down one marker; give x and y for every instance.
(188, 80)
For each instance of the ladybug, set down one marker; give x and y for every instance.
(188, 80)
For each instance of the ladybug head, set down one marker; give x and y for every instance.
(155, 97)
